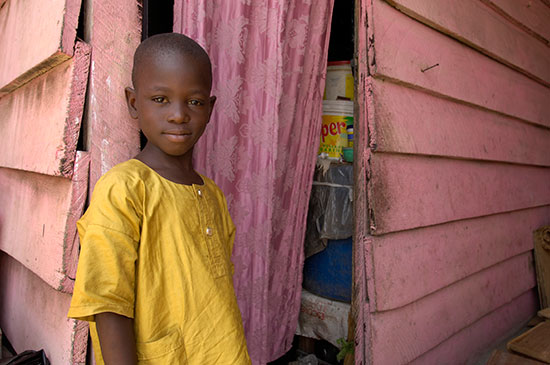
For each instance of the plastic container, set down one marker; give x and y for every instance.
(339, 82)
(349, 129)
(347, 153)
(329, 273)
(337, 116)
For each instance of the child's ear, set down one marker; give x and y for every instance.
(212, 102)
(131, 102)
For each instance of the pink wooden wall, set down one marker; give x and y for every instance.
(44, 180)
(453, 174)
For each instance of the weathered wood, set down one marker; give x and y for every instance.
(40, 122)
(34, 316)
(476, 25)
(404, 51)
(544, 313)
(534, 343)
(530, 15)
(422, 325)
(542, 260)
(410, 191)
(500, 357)
(22, 57)
(409, 265)
(47, 207)
(111, 136)
(464, 346)
(405, 124)
(534, 321)
(362, 246)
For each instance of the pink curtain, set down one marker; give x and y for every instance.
(269, 59)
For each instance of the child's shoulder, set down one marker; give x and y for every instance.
(127, 175)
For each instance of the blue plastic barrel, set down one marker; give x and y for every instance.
(329, 272)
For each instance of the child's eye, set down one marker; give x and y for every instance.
(159, 99)
(196, 102)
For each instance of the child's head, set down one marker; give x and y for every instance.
(172, 80)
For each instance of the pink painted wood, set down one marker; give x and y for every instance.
(531, 15)
(112, 136)
(34, 316)
(408, 191)
(40, 122)
(360, 309)
(37, 221)
(403, 47)
(478, 26)
(482, 334)
(409, 265)
(403, 335)
(55, 21)
(405, 124)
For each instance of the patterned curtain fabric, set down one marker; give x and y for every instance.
(269, 59)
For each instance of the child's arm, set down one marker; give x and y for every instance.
(116, 338)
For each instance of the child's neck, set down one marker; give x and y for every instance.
(178, 169)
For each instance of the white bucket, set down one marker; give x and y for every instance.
(337, 116)
(339, 81)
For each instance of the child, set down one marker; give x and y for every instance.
(154, 277)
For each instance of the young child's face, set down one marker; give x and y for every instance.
(172, 102)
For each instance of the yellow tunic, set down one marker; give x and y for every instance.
(159, 252)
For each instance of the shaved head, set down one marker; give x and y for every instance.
(165, 45)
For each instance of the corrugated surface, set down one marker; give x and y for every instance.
(38, 219)
(455, 101)
(22, 57)
(33, 316)
(40, 121)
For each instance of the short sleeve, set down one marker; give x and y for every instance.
(109, 237)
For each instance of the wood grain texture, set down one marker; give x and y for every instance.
(464, 346)
(530, 15)
(411, 191)
(403, 335)
(37, 221)
(409, 265)
(112, 136)
(404, 47)
(34, 316)
(500, 357)
(542, 260)
(533, 343)
(40, 122)
(362, 247)
(405, 124)
(478, 26)
(22, 58)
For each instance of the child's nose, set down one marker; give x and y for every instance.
(178, 113)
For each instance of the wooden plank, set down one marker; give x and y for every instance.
(530, 15)
(500, 357)
(35, 36)
(542, 260)
(47, 207)
(409, 265)
(34, 316)
(429, 321)
(404, 48)
(534, 343)
(404, 124)
(40, 122)
(544, 313)
(464, 346)
(408, 191)
(477, 25)
(111, 136)
(362, 246)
